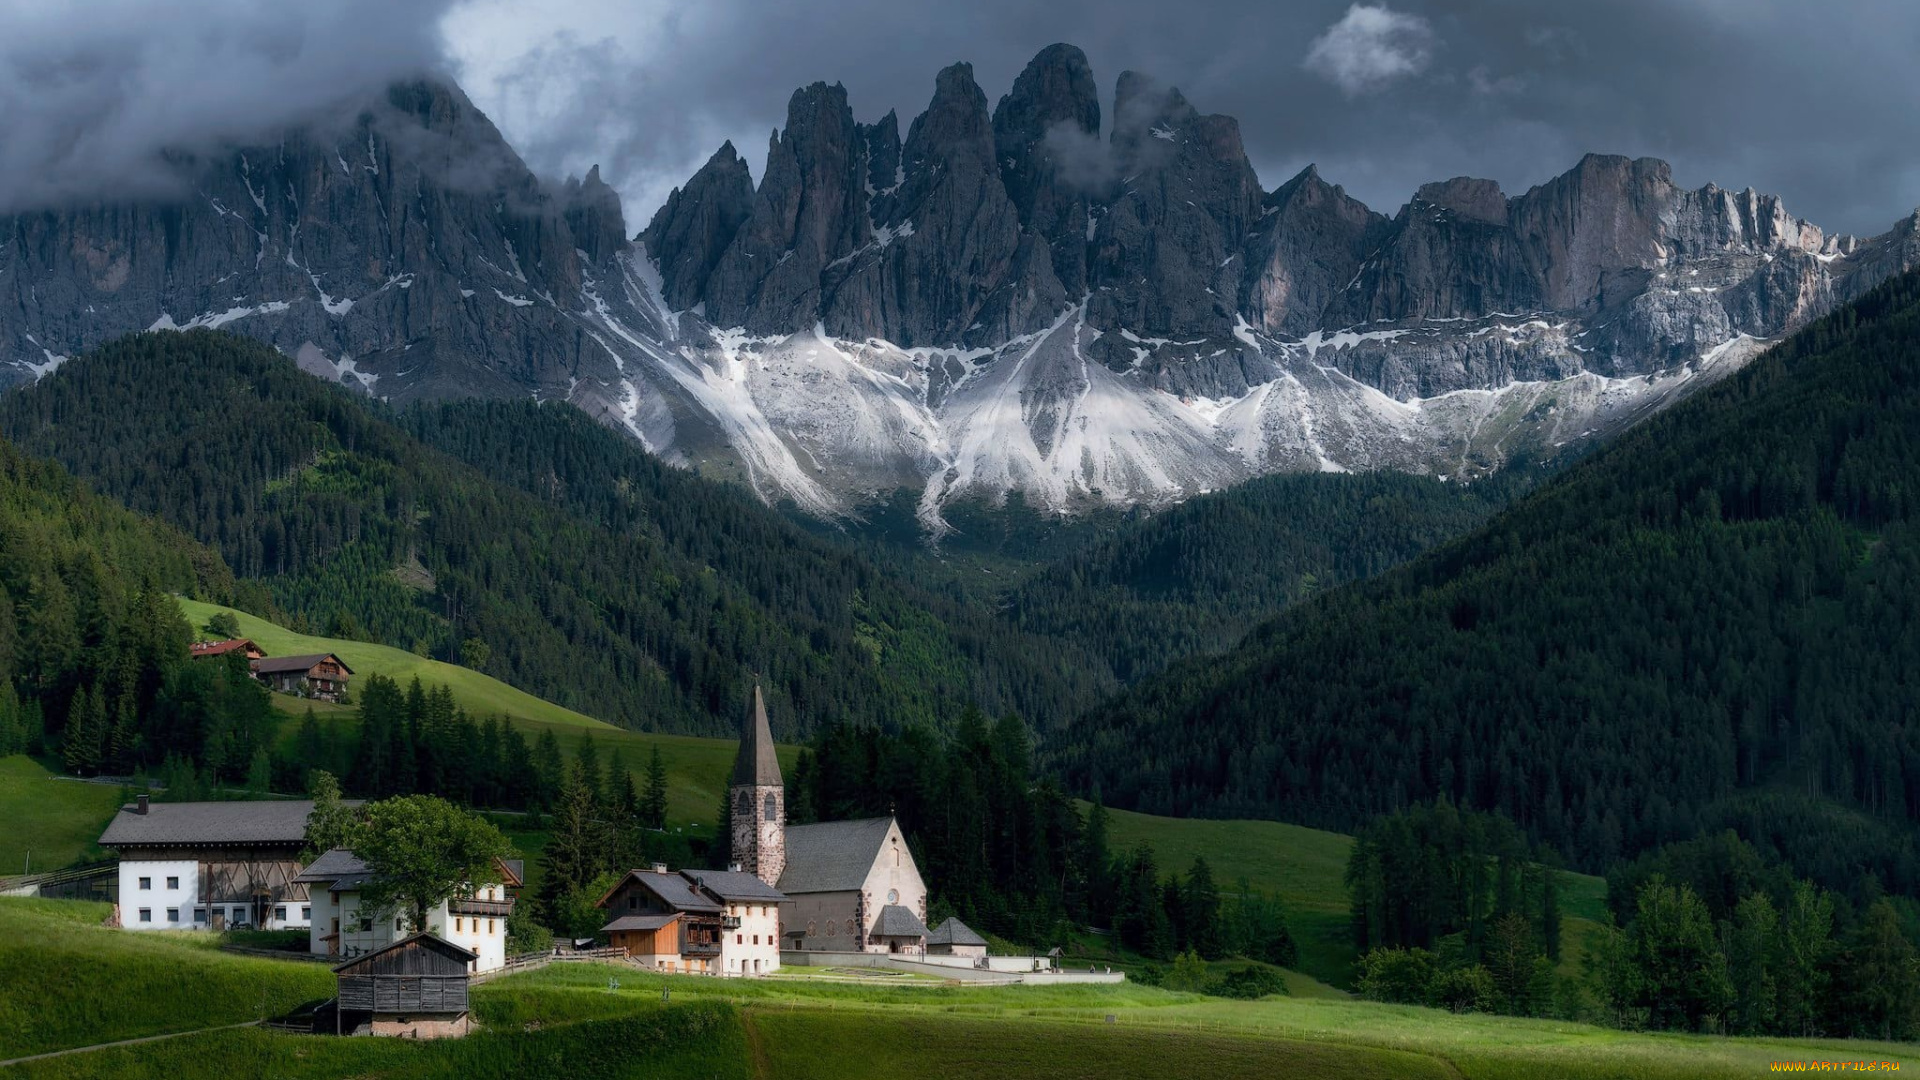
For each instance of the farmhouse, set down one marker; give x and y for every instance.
(322, 675)
(475, 921)
(415, 988)
(720, 922)
(850, 886)
(210, 865)
(201, 650)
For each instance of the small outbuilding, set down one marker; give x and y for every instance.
(955, 938)
(415, 988)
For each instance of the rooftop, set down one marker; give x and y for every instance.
(954, 932)
(832, 856)
(260, 821)
(735, 886)
(276, 664)
(639, 922)
(896, 921)
(756, 763)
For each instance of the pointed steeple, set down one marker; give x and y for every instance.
(757, 766)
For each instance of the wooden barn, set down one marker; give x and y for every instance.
(415, 988)
(322, 675)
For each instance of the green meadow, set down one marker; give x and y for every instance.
(66, 981)
(50, 821)
(697, 768)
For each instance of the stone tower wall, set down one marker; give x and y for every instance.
(759, 838)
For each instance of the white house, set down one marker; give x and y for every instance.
(750, 926)
(210, 865)
(475, 921)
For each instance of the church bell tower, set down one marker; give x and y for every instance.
(759, 799)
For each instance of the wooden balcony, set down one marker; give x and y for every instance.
(498, 909)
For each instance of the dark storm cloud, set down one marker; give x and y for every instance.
(91, 94)
(1812, 101)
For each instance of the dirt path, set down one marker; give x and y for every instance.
(122, 1042)
(757, 1049)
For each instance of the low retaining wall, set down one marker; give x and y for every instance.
(956, 972)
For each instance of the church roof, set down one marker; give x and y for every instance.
(832, 856)
(756, 763)
(954, 932)
(896, 921)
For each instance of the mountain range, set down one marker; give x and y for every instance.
(1087, 307)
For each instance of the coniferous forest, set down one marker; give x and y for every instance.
(1709, 624)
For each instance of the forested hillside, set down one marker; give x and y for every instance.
(92, 648)
(1194, 579)
(1711, 622)
(562, 559)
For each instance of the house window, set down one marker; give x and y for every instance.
(306, 913)
(173, 883)
(173, 914)
(756, 939)
(280, 913)
(146, 914)
(459, 925)
(199, 914)
(239, 916)
(398, 926)
(366, 924)
(739, 939)
(489, 926)
(632, 902)
(146, 883)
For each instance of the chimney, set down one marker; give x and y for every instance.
(659, 868)
(140, 804)
(733, 867)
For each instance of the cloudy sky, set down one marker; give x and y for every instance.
(1815, 101)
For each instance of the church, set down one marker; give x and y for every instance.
(849, 886)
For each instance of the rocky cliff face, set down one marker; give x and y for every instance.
(1030, 296)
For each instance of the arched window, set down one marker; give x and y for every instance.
(772, 808)
(812, 929)
(832, 929)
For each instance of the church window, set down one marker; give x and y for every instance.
(893, 896)
(832, 930)
(772, 807)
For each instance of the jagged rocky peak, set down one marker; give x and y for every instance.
(1166, 248)
(809, 210)
(1308, 245)
(593, 213)
(1046, 132)
(692, 229)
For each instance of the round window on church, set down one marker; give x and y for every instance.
(893, 896)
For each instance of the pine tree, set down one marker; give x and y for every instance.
(1200, 901)
(653, 806)
(577, 842)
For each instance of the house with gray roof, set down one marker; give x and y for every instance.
(342, 926)
(713, 922)
(210, 865)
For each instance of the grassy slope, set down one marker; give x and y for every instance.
(697, 768)
(1304, 868)
(66, 981)
(54, 820)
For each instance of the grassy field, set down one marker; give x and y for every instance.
(1305, 868)
(50, 822)
(697, 768)
(66, 981)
